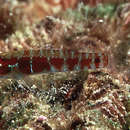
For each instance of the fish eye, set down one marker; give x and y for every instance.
(97, 60)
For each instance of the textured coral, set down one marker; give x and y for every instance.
(105, 95)
(66, 92)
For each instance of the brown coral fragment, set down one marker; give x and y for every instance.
(105, 95)
(66, 92)
(7, 23)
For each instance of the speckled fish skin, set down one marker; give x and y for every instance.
(44, 61)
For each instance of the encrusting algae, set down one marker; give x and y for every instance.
(74, 100)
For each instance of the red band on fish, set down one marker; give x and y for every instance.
(86, 61)
(97, 60)
(57, 63)
(24, 65)
(4, 70)
(40, 64)
(71, 63)
(6, 62)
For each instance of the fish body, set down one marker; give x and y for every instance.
(44, 60)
